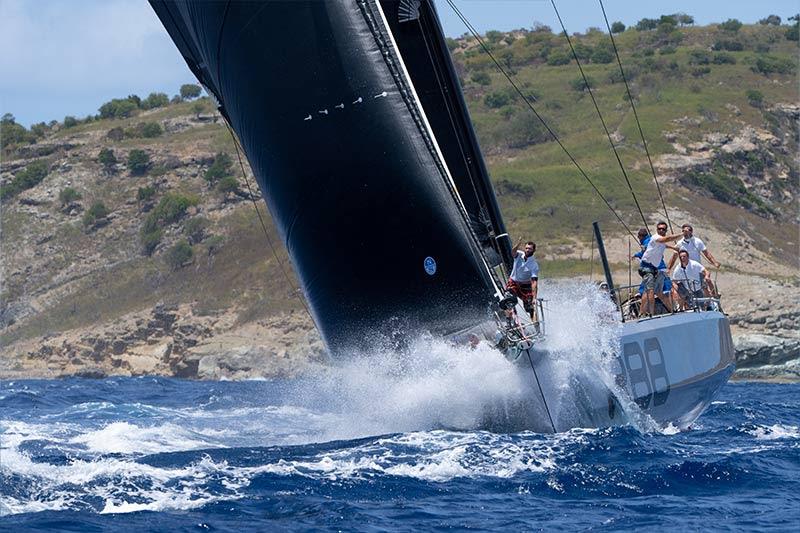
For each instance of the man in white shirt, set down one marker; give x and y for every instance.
(695, 246)
(524, 279)
(648, 269)
(688, 277)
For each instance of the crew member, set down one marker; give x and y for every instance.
(644, 240)
(524, 279)
(695, 246)
(648, 268)
(688, 276)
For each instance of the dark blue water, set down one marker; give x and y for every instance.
(168, 455)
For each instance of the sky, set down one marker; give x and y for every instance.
(67, 57)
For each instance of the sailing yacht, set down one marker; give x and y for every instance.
(351, 116)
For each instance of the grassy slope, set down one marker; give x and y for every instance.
(540, 193)
(562, 204)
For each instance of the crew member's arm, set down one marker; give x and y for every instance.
(672, 261)
(516, 247)
(668, 238)
(711, 258)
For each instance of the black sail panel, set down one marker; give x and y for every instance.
(374, 228)
(418, 34)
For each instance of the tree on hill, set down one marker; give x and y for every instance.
(647, 24)
(481, 77)
(228, 185)
(684, 19)
(617, 27)
(731, 25)
(70, 121)
(107, 158)
(180, 254)
(13, 133)
(138, 162)
(119, 108)
(793, 33)
(772, 20)
(602, 53)
(154, 100)
(190, 90)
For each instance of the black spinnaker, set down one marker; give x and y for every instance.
(375, 181)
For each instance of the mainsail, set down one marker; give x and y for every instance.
(355, 128)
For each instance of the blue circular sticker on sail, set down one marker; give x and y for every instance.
(430, 265)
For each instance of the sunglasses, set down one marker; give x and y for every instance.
(661, 229)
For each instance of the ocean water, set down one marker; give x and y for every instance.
(390, 442)
(169, 455)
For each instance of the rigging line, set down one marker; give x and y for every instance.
(544, 401)
(536, 113)
(635, 115)
(237, 146)
(600, 115)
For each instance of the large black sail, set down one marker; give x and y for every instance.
(349, 166)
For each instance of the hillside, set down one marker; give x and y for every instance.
(173, 270)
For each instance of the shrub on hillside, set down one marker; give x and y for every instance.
(617, 27)
(220, 168)
(33, 174)
(190, 90)
(494, 36)
(723, 58)
(580, 85)
(150, 130)
(523, 130)
(70, 121)
(481, 77)
(699, 72)
(180, 254)
(699, 57)
(774, 65)
(116, 134)
(68, 195)
(150, 240)
(558, 57)
(452, 44)
(793, 32)
(755, 98)
(96, 212)
(195, 229)
(154, 100)
(145, 194)
(497, 99)
(730, 45)
(214, 244)
(228, 185)
(730, 25)
(138, 162)
(107, 158)
(602, 54)
(667, 50)
(583, 51)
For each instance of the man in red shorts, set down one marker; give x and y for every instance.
(524, 279)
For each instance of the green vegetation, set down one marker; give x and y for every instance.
(68, 195)
(228, 185)
(13, 133)
(96, 212)
(70, 122)
(171, 208)
(119, 108)
(33, 174)
(755, 98)
(138, 162)
(154, 100)
(107, 158)
(214, 244)
(772, 64)
(481, 77)
(180, 254)
(617, 27)
(145, 194)
(190, 90)
(731, 25)
(195, 229)
(220, 168)
(726, 188)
